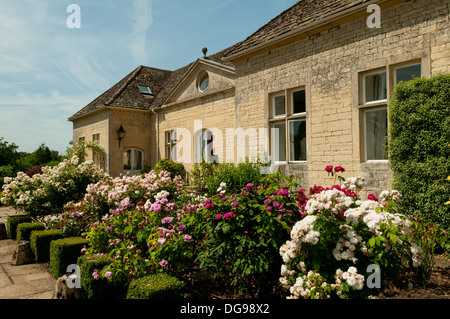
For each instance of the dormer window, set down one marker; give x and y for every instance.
(144, 89)
(203, 82)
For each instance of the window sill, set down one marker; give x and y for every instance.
(373, 104)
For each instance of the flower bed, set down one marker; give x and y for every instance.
(270, 239)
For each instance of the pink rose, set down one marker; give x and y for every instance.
(187, 238)
(219, 217)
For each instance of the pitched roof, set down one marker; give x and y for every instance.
(299, 15)
(126, 94)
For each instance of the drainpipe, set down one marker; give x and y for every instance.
(157, 135)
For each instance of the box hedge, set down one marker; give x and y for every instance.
(24, 230)
(159, 286)
(13, 221)
(40, 243)
(419, 148)
(101, 288)
(64, 252)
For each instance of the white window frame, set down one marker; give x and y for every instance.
(273, 106)
(364, 87)
(170, 142)
(288, 141)
(365, 132)
(288, 117)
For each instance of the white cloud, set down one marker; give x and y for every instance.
(142, 16)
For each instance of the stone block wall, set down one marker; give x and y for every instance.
(329, 65)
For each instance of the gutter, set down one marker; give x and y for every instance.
(303, 29)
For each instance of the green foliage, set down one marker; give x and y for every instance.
(40, 243)
(199, 175)
(235, 177)
(419, 147)
(170, 166)
(8, 152)
(432, 239)
(242, 233)
(13, 221)
(80, 148)
(64, 252)
(156, 287)
(100, 288)
(24, 230)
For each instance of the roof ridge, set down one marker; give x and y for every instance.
(124, 86)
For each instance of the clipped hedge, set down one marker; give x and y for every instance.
(64, 252)
(24, 230)
(156, 287)
(419, 149)
(101, 288)
(40, 243)
(13, 221)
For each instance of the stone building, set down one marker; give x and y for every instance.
(311, 88)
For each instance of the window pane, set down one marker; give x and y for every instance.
(204, 83)
(408, 73)
(375, 87)
(279, 105)
(127, 160)
(137, 165)
(375, 134)
(297, 140)
(167, 139)
(279, 142)
(299, 102)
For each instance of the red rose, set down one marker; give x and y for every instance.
(329, 168)
(339, 169)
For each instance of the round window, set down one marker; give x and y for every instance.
(203, 82)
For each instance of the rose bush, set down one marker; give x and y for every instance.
(142, 228)
(48, 192)
(339, 236)
(240, 234)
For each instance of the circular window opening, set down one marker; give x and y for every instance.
(203, 82)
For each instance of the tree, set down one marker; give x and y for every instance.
(8, 153)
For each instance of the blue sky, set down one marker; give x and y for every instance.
(49, 71)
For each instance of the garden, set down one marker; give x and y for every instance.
(232, 232)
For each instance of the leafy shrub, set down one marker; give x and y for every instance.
(24, 230)
(419, 147)
(64, 252)
(93, 287)
(235, 177)
(13, 221)
(156, 287)
(240, 234)
(175, 169)
(199, 174)
(34, 170)
(40, 243)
